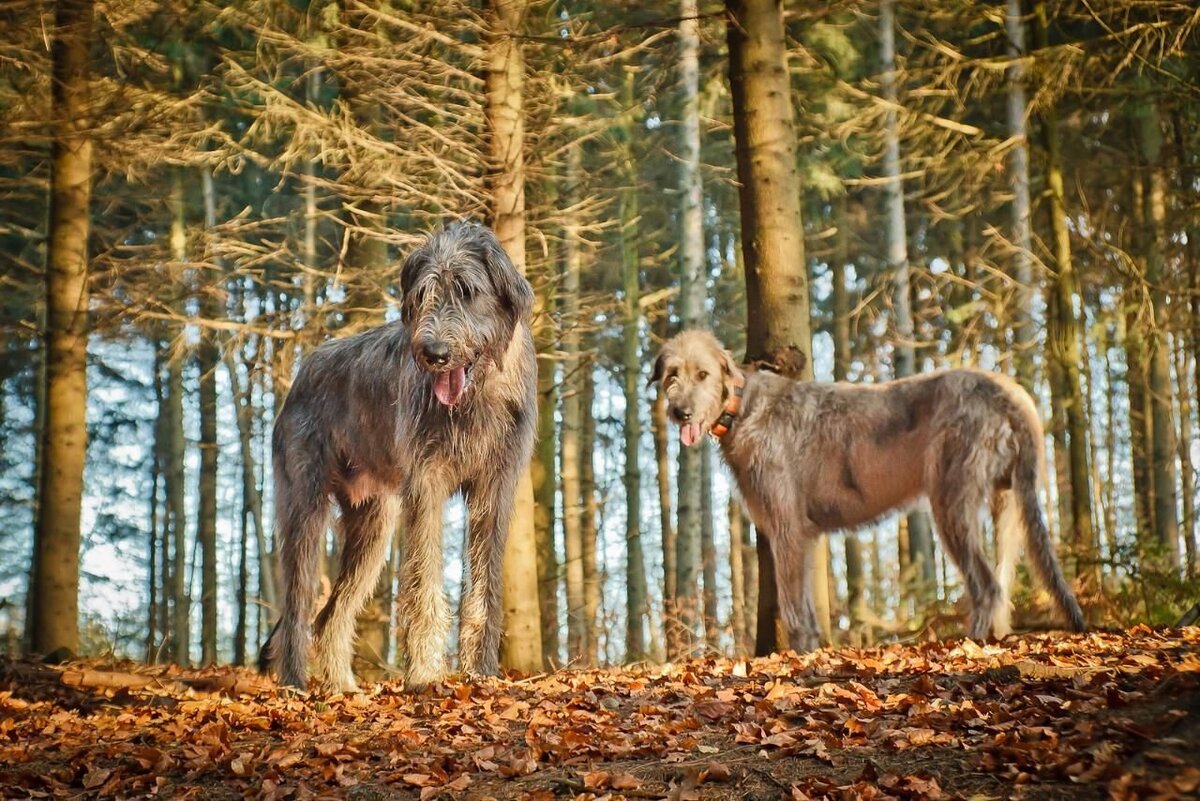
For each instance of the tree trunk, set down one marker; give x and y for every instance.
(920, 534)
(1024, 334)
(572, 421)
(521, 648)
(208, 357)
(1064, 337)
(155, 580)
(636, 602)
(587, 492)
(1162, 425)
(543, 471)
(666, 525)
(772, 239)
(737, 579)
(1136, 381)
(708, 550)
(687, 609)
(1188, 477)
(55, 581)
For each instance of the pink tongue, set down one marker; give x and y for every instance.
(448, 386)
(689, 434)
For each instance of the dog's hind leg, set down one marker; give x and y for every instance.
(366, 531)
(490, 503)
(956, 510)
(301, 514)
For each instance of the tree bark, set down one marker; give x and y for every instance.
(587, 491)
(1162, 425)
(666, 524)
(521, 648)
(1188, 477)
(687, 607)
(55, 581)
(777, 297)
(572, 421)
(1064, 338)
(920, 534)
(1024, 334)
(208, 357)
(636, 602)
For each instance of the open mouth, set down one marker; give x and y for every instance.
(690, 433)
(451, 384)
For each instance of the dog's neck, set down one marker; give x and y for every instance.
(733, 405)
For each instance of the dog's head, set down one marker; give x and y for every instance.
(462, 300)
(696, 373)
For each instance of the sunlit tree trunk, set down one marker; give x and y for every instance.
(708, 549)
(687, 608)
(1064, 338)
(1134, 344)
(1188, 477)
(1158, 357)
(587, 492)
(737, 580)
(636, 602)
(156, 582)
(572, 421)
(772, 232)
(920, 534)
(208, 357)
(666, 522)
(521, 647)
(54, 584)
(543, 470)
(1024, 334)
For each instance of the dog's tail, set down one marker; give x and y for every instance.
(1027, 510)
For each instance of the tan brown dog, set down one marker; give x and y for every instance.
(810, 457)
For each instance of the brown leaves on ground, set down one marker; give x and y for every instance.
(1048, 716)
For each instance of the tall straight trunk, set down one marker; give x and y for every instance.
(572, 420)
(176, 444)
(1190, 339)
(708, 550)
(521, 647)
(208, 357)
(1110, 449)
(1064, 336)
(311, 327)
(920, 533)
(1136, 380)
(1188, 476)
(181, 602)
(587, 492)
(855, 602)
(636, 601)
(155, 584)
(772, 240)
(251, 505)
(687, 608)
(737, 579)
(543, 471)
(1158, 357)
(1024, 334)
(54, 584)
(666, 520)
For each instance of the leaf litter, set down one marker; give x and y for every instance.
(1047, 716)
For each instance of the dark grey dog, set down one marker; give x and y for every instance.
(390, 424)
(811, 457)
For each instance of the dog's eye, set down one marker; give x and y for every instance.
(463, 288)
(703, 374)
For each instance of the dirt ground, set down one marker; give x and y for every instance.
(1098, 715)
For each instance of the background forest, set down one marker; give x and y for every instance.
(1010, 186)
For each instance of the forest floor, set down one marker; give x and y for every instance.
(1098, 715)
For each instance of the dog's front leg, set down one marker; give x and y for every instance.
(424, 612)
(794, 561)
(490, 504)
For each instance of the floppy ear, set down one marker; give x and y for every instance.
(513, 290)
(656, 373)
(408, 276)
(727, 365)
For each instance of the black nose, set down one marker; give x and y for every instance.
(681, 414)
(436, 353)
